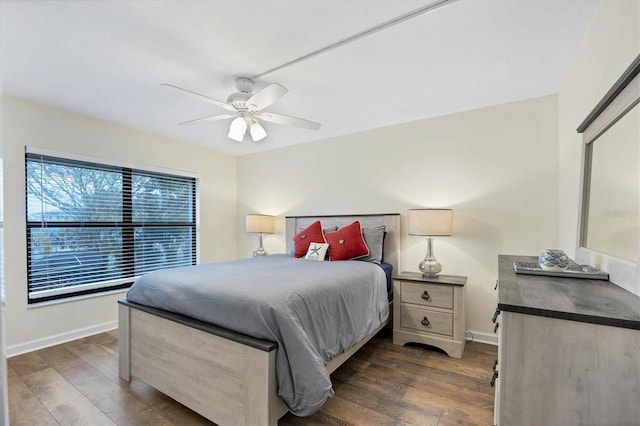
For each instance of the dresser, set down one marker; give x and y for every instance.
(430, 311)
(568, 350)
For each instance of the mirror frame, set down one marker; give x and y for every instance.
(620, 99)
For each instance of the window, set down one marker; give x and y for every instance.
(93, 227)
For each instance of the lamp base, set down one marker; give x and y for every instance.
(430, 268)
(259, 252)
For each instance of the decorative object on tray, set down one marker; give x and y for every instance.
(259, 224)
(573, 270)
(431, 223)
(553, 260)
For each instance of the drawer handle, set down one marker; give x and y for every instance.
(496, 327)
(496, 287)
(495, 364)
(425, 322)
(425, 295)
(495, 315)
(493, 378)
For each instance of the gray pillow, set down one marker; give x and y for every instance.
(374, 237)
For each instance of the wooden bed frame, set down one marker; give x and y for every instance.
(227, 377)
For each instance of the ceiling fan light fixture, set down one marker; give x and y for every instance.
(257, 131)
(237, 129)
(235, 137)
(247, 110)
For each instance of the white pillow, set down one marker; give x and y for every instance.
(317, 251)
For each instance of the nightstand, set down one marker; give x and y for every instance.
(430, 311)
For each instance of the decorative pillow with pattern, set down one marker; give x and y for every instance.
(317, 251)
(311, 234)
(347, 243)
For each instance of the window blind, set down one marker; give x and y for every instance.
(94, 227)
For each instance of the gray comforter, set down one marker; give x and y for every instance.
(313, 310)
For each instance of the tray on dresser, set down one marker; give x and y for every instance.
(573, 271)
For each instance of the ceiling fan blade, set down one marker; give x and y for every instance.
(203, 97)
(266, 97)
(209, 118)
(288, 120)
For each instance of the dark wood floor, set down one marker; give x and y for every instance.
(77, 383)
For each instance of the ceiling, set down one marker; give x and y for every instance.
(107, 59)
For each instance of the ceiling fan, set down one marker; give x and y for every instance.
(246, 110)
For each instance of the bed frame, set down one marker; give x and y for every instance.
(227, 377)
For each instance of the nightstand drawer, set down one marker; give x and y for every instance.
(440, 296)
(426, 320)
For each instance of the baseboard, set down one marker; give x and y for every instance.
(46, 342)
(478, 336)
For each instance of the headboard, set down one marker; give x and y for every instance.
(391, 252)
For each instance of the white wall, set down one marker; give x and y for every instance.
(497, 167)
(4, 402)
(610, 45)
(25, 123)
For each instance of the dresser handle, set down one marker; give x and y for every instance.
(425, 322)
(496, 327)
(496, 287)
(493, 378)
(425, 295)
(495, 315)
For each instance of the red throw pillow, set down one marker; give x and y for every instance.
(347, 243)
(311, 234)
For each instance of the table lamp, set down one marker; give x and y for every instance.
(430, 223)
(259, 224)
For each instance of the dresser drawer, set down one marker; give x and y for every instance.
(440, 296)
(426, 320)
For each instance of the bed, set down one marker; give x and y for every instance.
(226, 376)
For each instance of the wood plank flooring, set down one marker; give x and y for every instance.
(77, 383)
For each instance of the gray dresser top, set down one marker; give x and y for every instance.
(575, 299)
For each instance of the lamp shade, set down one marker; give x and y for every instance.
(237, 129)
(430, 222)
(257, 131)
(259, 223)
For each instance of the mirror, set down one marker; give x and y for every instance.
(609, 217)
(612, 207)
